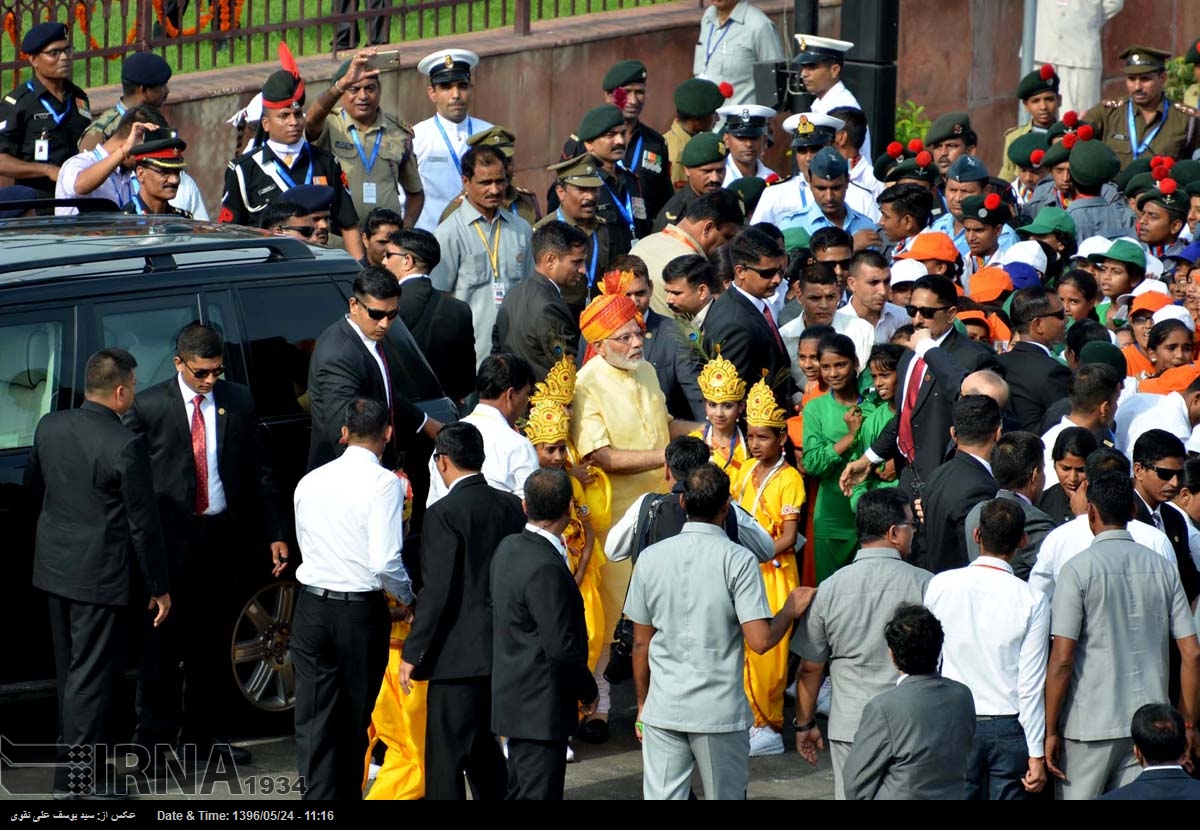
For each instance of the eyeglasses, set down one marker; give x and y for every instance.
(1061, 314)
(1166, 473)
(55, 54)
(765, 273)
(201, 374)
(304, 230)
(389, 254)
(626, 339)
(928, 312)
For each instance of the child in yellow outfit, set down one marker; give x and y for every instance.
(773, 492)
(723, 393)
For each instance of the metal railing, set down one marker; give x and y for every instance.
(195, 35)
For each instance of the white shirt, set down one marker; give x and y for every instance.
(839, 96)
(891, 318)
(997, 641)
(1048, 439)
(854, 327)
(794, 196)
(441, 177)
(208, 411)
(552, 539)
(349, 523)
(373, 350)
(120, 186)
(863, 175)
(1193, 534)
(751, 535)
(1068, 541)
(508, 459)
(1146, 411)
(732, 174)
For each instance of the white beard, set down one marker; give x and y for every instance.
(622, 362)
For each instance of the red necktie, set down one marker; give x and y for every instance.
(774, 328)
(200, 455)
(904, 440)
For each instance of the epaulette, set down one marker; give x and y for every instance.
(574, 137)
(16, 94)
(670, 216)
(524, 190)
(1116, 102)
(1190, 112)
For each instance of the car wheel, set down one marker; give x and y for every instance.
(260, 649)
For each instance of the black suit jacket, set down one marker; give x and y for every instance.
(970, 355)
(451, 634)
(947, 498)
(540, 673)
(341, 370)
(676, 361)
(1158, 785)
(746, 341)
(445, 335)
(1035, 380)
(89, 477)
(159, 415)
(535, 323)
(1175, 525)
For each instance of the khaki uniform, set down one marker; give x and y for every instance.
(395, 168)
(1178, 138)
(577, 294)
(519, 200)
(1191, 96)
(677, 138)
(1009, 171)
(106, 124)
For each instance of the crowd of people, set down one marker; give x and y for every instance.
(902, 444)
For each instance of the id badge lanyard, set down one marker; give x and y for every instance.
(591, 275)
(368, 163)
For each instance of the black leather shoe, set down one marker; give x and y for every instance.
(233, 753)
(594, 731)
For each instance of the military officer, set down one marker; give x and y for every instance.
(42, 120)
(1191, 95)
(283, 159)
(578, 184)
(157, 166)
(696, 103)
(440, 141)
(144, 77)
(1146, 122)
(810, 132)
(520, 200)
(704, 167)
(819, 61)
(745, 136)
(1038, 92)
(620, 203)
(374, 148)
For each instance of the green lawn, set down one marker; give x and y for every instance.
(308, 37)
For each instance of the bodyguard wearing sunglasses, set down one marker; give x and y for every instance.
(218, 504)
(1158, 458)
(1035, 378)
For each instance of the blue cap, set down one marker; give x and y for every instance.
(16, 193)
(311, 197)
(1022, 275)
(828, 163)
(1189, 254)
(967, 169)
(145, 69)
(41, 36)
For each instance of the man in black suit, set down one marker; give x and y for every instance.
(213, 480)
(1160, 745)
(440, 323)
(351, 361)
(540, 644)
(1035, 378)
(89, 478)
(1158, 458)
(450, 643)
(534, 321)
(741, 322)
(959, 484)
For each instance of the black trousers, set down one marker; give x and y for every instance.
(458, 739)
(89, 652)
(537, 770)
(339, 651)
(347, 33)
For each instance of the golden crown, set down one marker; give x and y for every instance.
(761, 408)
(719, 381)
(547, 423)
(559, 385)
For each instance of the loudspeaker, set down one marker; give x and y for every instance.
(778, 86)
(874, 85)
(873, 26)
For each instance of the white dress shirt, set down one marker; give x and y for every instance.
(863, 175)
(1193, 534)
(552, 539)
(441, 178)
(1146, 411)
(349, 523)
(890, 319)
(508, 459)
(120, 186)
(1071, 539)
(751, 535)
(794, 196)
(997, 641)
(732, 173)
(839, 96)
(208, 411)
(373, 350)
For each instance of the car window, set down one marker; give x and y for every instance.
(282, 324)
(147, 328)
(31, 356)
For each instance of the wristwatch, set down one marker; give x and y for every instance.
(804, 727)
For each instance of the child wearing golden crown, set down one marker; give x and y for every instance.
(723, 393)
(773, 493)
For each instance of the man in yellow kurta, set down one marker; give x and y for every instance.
(621, 425)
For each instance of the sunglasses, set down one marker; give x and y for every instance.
(1166, 473)
(765, 273)
(379, 313)
(1061, 314)
(201, 374)
(304, 230)
(928, 312)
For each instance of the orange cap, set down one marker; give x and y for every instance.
(987, 284)
(931, 245)
(1150, 301)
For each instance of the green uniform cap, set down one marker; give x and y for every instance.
(1122, 250)
(1093, 163)
(702, 149)
(975, 207)
(1134, 168)
(698, 98)
(749, 190)
(948, 126)
(1036, 82)
(1049, 220)
(1176, 202)
(1022, 148)
(1142, 60)
(1193, 189)
(1138, 185)
(624, 72)
(908, 169)
(598, 121)
(795, 238)
(499, 137)
(1185, 172)
(581, 171)
(1055, 156)
(1193, 54)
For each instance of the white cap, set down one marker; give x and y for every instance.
(1092, 245)
(1148, 284)
(746, 111)
(1154, 267)
(445, 60)
(1029, 252)
(905, 271)
(1175, 312)
(817, 119)
(250, 112)
(812, 47)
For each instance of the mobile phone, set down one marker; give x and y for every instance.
(384, 60)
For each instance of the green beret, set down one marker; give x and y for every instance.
(1021, 150)
(1175, 201)
(1093, 163)
(1138, 185)
(598, 121)
(886, 162)
(1049, 220)
(1185, 172)
(948, 126)
(1060, 128)
(1104, 352)
(1042, 79)
(749, 190)
(795, 238)
(1134, 168)
(1055, 156)
(1193, 189)
(698, 98)
(702, 149)
(909, 169)
(341, 71)
(624, 72)
(989, 209)
(828, 163)
(1193, 54)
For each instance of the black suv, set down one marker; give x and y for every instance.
(72, 285)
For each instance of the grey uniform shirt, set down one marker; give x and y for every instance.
(697, 589)
(1121, 603)
(844, 628)
(729, 52)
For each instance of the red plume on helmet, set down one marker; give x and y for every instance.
(1086, 133)
(1168, 186)
(1159, 172)
(726, 89)
(1168, 162)
(1036, 157)
(924, 158)
(916, 145)
(1047, 71)
(1070, 119)
(287, 62)
(992, 202)
(895, 149)
(620, 97)
(1069, 140)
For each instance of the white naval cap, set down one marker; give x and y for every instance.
(815, 49)
(746, 120)
(448, 65)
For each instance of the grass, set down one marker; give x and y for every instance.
(306, 33)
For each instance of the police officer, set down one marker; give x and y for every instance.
(157, 165)
(578, 183)
(696, 103)
(703, 161)
(42, 120)
(144, 77)
(283, 159)
(620, 203)
(374, 148)
(1093, 165)
(1146, 122)
(746, 138)
(518, 199)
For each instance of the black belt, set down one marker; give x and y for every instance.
(343, 596)
(997, 717)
